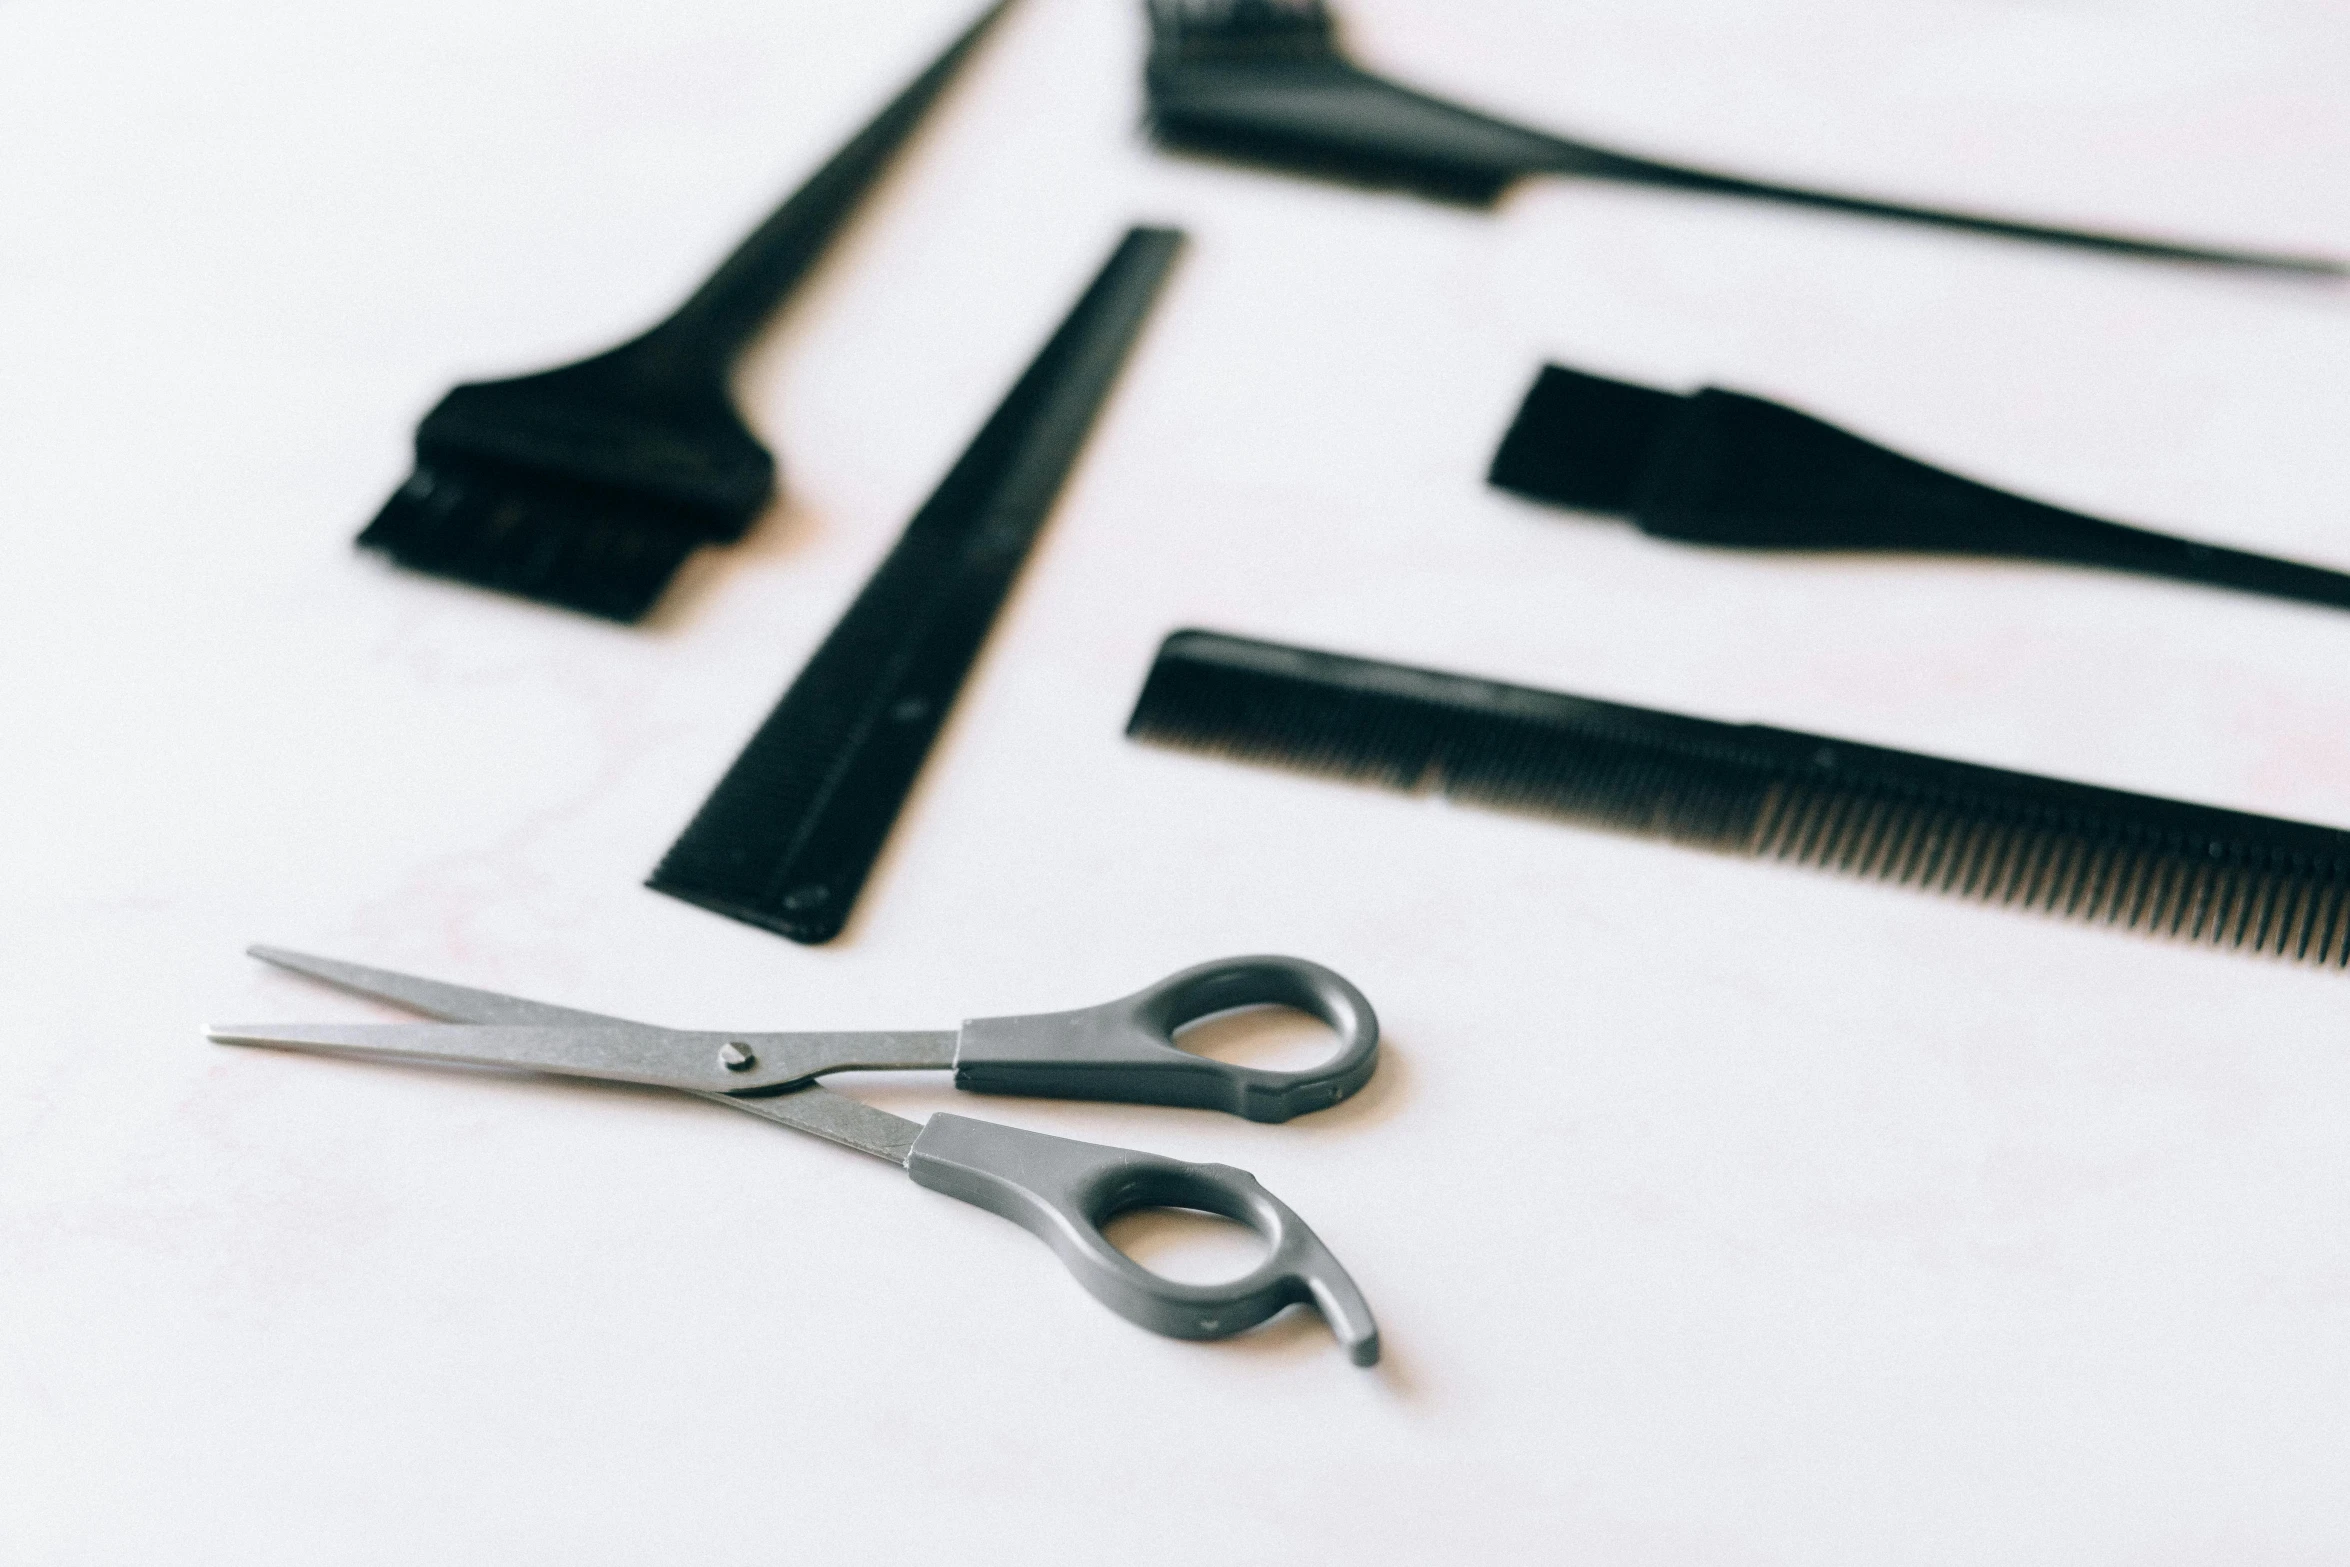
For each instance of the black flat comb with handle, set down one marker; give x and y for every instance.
(1719, 467)
(589, 485)
(787, 839)
(1264, 81)
(2100, 855)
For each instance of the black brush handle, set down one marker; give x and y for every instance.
(1738, 470)
(790, 835)
(2068, 538)
(710, 330)
(1580, 158)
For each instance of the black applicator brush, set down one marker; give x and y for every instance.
(1264, 80)
(589, 485)
(1718, 467)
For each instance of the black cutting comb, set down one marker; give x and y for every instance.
(2100, 855)
(1264, 81)
(589, 485)
(788, 837)
(1719, 467)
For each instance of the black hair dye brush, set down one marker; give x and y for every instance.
(589, 485)
(1265, 81)
(1718, 467)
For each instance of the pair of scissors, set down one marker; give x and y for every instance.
(1061, 1190)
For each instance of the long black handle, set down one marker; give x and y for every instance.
(1292, 100)
(2047, 533)
(787, 839)
(1579, 158)
(714, 326)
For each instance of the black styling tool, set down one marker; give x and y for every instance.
(787, 839)
(1719, 467)
(1264, 81)
(2154, 865)
(589, 485)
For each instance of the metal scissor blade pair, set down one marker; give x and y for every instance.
(489, 1029)
(539, 1036)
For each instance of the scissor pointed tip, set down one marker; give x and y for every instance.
(252, 1034)
(283, 957)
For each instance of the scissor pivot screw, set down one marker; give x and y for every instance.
(737, 1057)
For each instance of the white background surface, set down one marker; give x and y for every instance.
(1714, 1212)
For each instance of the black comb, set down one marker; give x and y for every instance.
(789, 836)
(2100, 855)
(589, 485)
(1264, 81)
(1719, 467)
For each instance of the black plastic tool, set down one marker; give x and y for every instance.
(1719, 467)
(2099, 855)
(789, 836)
(1265, 81)
(589, 485)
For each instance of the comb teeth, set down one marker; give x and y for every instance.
(589, 547)
(2162, 867)
(2225, 890)
(1196, 28)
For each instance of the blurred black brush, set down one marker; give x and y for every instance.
(1717, 467)
(589, 485)
(1264, 80)
(2130, 860)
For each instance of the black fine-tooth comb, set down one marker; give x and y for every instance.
(1264, 81)
(1719, 467)
(2099, 855)
(787, 839)
(589, 485)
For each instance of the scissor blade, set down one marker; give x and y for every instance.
(433, 998)
(836, 1118)
(613, 1052)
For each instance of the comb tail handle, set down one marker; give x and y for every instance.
(1063, 1192)
(1723, 468)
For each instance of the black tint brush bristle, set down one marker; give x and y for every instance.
(2165, 867)
(1265, 81)
(588, 486)
(582, 487)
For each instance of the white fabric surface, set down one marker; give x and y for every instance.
(1714, 1212)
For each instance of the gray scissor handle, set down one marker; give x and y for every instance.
(1064, 1191)
(1126, 1050)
